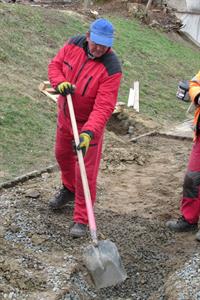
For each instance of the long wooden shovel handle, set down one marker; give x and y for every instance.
(88, 201)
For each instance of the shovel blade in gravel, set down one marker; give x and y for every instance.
(104, 264)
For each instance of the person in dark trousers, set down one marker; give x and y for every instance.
(190, 202)
(88, 69)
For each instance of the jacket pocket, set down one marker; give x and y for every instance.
(67, 64)
(86, 85)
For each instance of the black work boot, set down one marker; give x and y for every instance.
(61, 198)
(78, 230)
(198, 236)
(181, 225)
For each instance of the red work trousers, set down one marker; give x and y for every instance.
(190, 202)
(70, 172)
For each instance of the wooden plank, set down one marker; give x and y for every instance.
(51, 96)
(47, 90)
(51, 90)
(174, 136)
(161, 134)
(191, 109)
(133, 99)
(120, 106)
(154, 132)
(136, 96)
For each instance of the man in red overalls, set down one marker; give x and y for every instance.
(87, 68)
(190, 202)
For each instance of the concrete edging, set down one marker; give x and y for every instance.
(25, 177)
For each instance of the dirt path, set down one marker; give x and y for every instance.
(138, 190)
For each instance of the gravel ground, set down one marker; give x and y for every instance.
(138, 190)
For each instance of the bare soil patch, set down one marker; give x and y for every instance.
(139, 188)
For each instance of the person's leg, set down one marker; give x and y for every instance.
(66, 159)
(92, 161)
(190, 202)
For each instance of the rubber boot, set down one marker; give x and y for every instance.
(197, 236)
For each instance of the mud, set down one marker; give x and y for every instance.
(139, 187)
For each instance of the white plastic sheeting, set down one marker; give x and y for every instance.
(180, 5)
(191, 27)
(193, 5)
(189, 13)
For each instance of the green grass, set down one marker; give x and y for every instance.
(158, 63)
(31, 36)
(26, 134)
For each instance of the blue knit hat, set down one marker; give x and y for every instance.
(102, 32)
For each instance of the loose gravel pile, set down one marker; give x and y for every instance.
(39, 260)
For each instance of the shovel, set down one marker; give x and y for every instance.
(101, 258)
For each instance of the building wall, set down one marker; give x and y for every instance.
(185, 5)
(193, 5)
(180, 5)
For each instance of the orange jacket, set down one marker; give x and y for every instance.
(194, 92)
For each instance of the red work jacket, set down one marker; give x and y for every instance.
(97, 83)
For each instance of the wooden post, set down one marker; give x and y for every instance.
(86, 4)
(136, 96)
(148, 6)
(133, 99)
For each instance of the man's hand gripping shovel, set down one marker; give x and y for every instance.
(101, 258)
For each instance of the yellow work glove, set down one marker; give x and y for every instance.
(65, 88)
(85, 138)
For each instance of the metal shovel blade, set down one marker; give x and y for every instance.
(104, 264)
